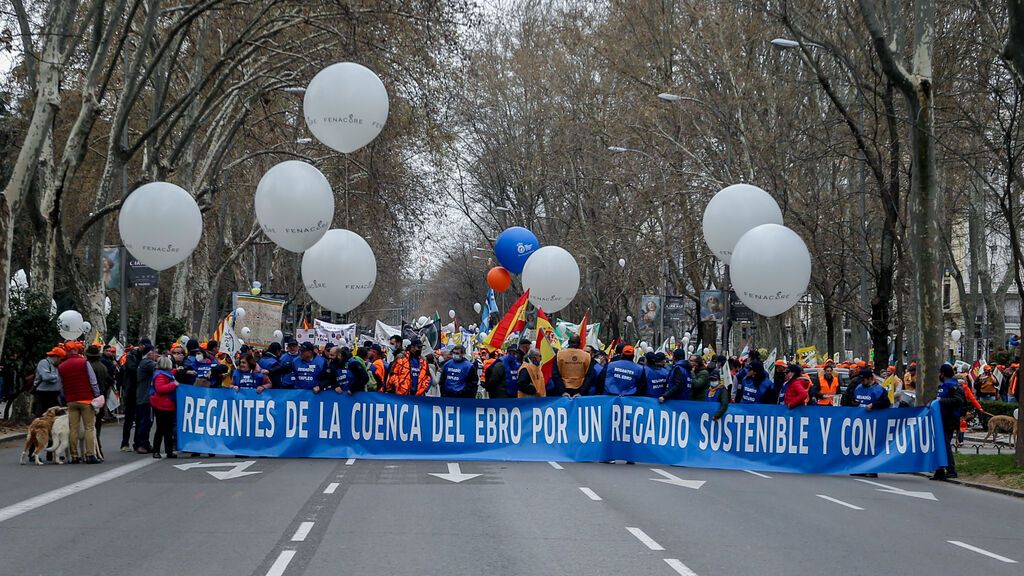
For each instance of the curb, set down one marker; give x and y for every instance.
(979, 486)
(15, 436)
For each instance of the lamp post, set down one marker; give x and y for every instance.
(787, 44)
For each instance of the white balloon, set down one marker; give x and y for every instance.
(707, 351)
(686, 340)
(257, 283)
(86, 327)
(70, 334)
(246, 331)
(345, 106)
(733, 212)
(689, 349)
(183, 339)
(956, 335)
(160, 224)
(240, 313)
(477, 308)
(70, 321)
(553, 278)
(294, 206)
(423, 320)
(406, 342)
(106, 305)
(278, 335)
(340, 270)
(451, 314)
(629, 319)
(622, 262)
(20, 280)
(770, 269)
(686, 335)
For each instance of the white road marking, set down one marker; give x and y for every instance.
(302, 531)
(331, 488)
(675, 480)
(350, 461)
(281, 564)
(980, 551)
(454, 474)
(899, 491)
(643, 537)
(679, 567)
(53, 495)
(556, 465)
(590, 493)
(840, 502)
(758, 474)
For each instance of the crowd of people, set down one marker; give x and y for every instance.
(147, 377)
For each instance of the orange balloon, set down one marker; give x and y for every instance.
(499, 279)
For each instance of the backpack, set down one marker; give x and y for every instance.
(371, 380)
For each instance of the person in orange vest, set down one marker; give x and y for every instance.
(530, 380)
(826, 386)
(569, 372)
(988, 388)
(409, 373)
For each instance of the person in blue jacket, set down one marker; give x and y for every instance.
(459, 378)
(270, 361)
(679, 377)
(248, 375)
(344, 374)
(512, 360)
(624, 377)
(869, 394)
(286, 359)
(951, 399)
(656, 374)
(306, 371)
(756, 386)
(199, 362)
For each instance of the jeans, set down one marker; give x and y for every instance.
(82, 412)
(165, 421)
(143, 422)
(128, 404)
(986, 397)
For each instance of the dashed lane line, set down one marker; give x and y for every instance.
(758, 474)
(302, 531)
(331, 488)
(350, 461)
(556, 465)
(644, 538)
(679, 567)
(967, 546)
(590, 493)
(840, 502)
(281, 564)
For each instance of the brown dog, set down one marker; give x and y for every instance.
(1002, 423)
(39, 434)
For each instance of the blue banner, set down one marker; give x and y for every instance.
(809, 439)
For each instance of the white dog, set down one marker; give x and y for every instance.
(61, 435)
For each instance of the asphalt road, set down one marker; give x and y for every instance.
(135, 515)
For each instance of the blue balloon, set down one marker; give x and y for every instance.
(514, 246)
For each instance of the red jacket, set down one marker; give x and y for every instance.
(796, 392)
(165, 385)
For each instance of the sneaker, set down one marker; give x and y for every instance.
(172, 454)
(126, 449)
(92, 460)
(156, 455)
(141, 451)
(938, 476)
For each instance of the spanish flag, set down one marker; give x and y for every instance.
(516, 316)
(543, 323)
(583, 328)
(547, 353)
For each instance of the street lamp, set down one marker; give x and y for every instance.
(294, 90)
(304, 141)
(786, 43)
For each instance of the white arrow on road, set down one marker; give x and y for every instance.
(899, 491)
(454, 474)
(675, 480)
(237, 469)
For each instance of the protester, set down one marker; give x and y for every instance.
(494, 377)
(868, 393)
(755, 387)
(570, 368)
(512, 360)
(656, 374)
(409, 374)
(46, 385)
(794, 391)
(717, 392)
(375, 357)
(951, 402)
(103, 382)
(248, 375)
(679, 378)
(162, 400)
(345, 373)
(113, 369)
(624, 377)
(270, 363)
(79, 385)
(129, 387)
(892, 383)
(594, 385)
(530, 380)
(987, 387)
(826, 386)
(459, 375)
(143, 411)
(699, 382)
(305, 372)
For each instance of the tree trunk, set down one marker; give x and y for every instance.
(56, 29)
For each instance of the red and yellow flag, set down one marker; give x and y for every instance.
(516, 316)
(547, 353)
(218, 334)
(543, 323)
(583, 328)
